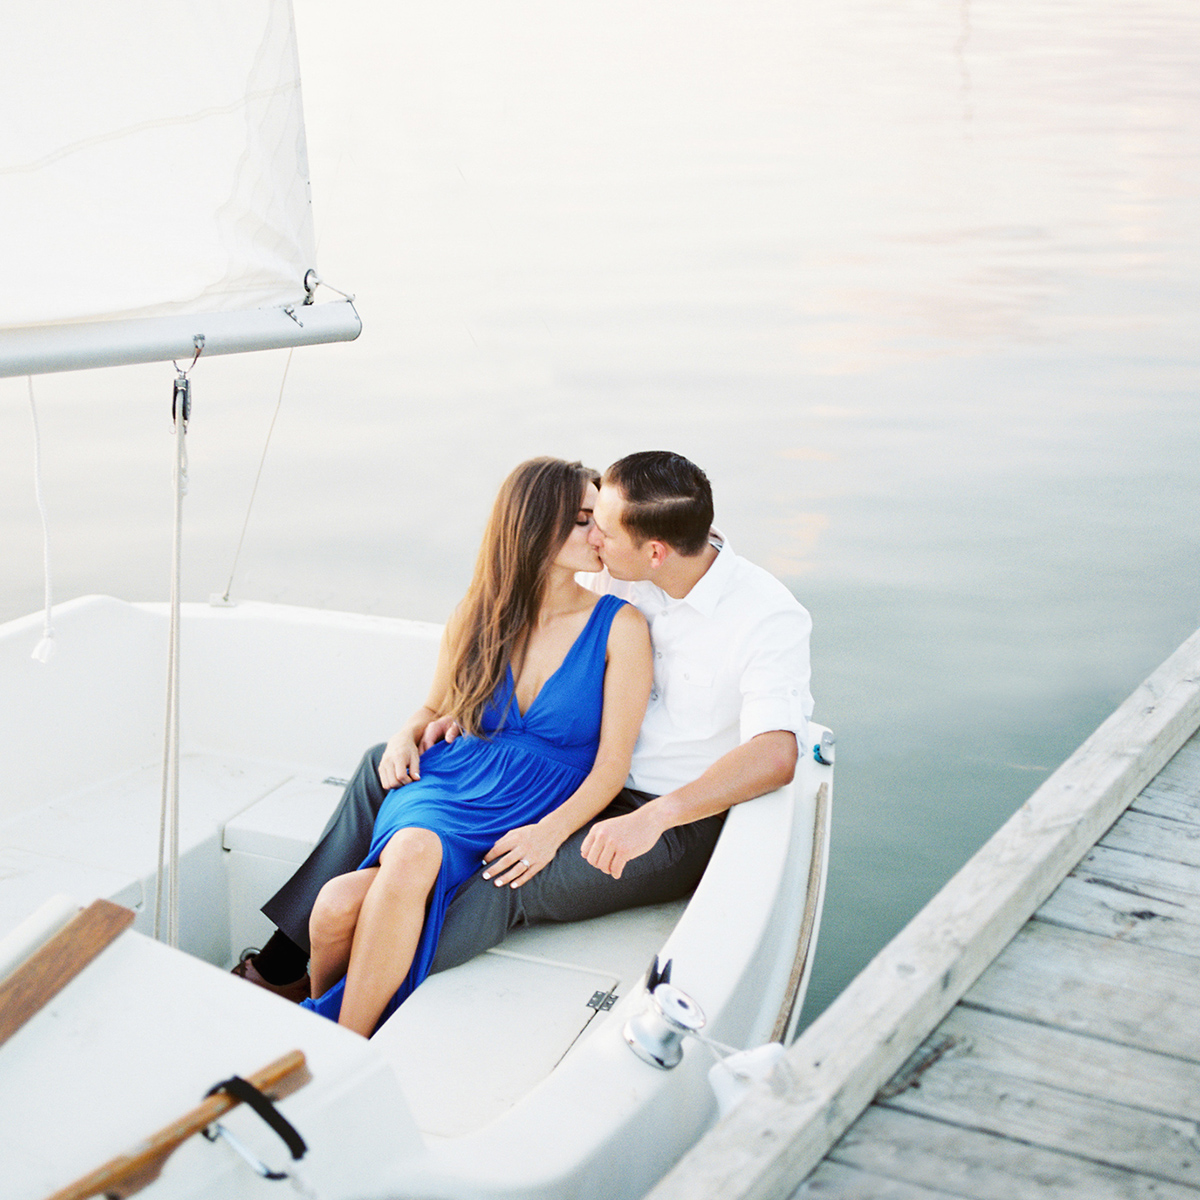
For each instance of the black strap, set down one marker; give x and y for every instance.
(247, 1093)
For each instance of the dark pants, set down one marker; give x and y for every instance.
(481, 914)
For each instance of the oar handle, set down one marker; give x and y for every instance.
(132, 1171)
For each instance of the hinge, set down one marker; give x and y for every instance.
(603, 1001)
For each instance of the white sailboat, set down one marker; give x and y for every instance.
(511, 1076)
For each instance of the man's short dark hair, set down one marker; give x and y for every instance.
(667, 498)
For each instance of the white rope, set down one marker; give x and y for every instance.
(44, 650)
(168, 826)
(224, 599)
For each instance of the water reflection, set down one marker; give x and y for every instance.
(916, 282)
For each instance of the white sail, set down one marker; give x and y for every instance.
(153, 168)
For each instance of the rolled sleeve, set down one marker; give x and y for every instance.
(775, 681)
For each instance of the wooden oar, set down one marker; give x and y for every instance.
(47, 971)
(130, 1172)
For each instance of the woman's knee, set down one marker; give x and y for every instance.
(412, 854)
(335, 911)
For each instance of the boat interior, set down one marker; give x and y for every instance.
(270, 735)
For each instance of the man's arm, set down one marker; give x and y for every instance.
(764, 763)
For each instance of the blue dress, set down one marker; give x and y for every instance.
(475, 789)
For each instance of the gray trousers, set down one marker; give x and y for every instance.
(480, 915)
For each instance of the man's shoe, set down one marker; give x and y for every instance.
(295, 992)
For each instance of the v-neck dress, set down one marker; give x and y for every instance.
(475, 789)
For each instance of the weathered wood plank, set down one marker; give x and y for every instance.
(1132, 995)
(1056, 1058)
(981, 1166)
(1178, 799)
(847, 1183)
(1175, 791)
(960, 1092)
(1158, 837)
(1175, 805)
(1095, 906)
(766, 1145)
(1139, 874)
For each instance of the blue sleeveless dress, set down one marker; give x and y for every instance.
(475, 789)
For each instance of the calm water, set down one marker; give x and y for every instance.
(917, 284)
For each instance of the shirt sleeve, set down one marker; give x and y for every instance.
(776, 676)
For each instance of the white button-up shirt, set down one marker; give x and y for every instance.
(730, 662)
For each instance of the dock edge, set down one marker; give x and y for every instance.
(768, 1145)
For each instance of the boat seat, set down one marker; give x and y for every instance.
(536, 998)
(538, 995)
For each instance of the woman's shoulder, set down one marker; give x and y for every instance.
(628, 625)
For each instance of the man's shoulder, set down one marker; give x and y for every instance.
(748, 583)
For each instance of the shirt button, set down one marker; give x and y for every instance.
(658, 654)
(653, 695)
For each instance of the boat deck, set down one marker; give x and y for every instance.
(1034, 1032)
(1072, 1066)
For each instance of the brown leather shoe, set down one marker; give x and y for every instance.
(295, 991)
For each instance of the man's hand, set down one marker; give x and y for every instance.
(439, 729)
(610, 844)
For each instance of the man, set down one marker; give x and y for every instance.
(726, 722)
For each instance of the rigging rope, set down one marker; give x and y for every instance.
(44, 650)
(224, 598)
(168, 823)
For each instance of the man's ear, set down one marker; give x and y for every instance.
(659, 553)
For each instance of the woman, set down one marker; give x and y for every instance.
(549, 683)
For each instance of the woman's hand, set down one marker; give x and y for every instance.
(520, 854)
(401, 761)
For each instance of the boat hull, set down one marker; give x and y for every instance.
(495, 1079)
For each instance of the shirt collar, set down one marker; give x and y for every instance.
(708, 589)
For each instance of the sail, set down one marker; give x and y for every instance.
(153, 184)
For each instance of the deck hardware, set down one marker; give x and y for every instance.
(181, 400)
(259, 1167)
(658, 974)
(132, 1171)
(334, 781)
(823, 751)
(656, 1034)
(243, 1090)
(291, 312)
(603, 1001)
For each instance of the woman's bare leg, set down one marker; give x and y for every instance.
(331, 927)
(389, 925)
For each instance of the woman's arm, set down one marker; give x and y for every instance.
(628, 676)
(401, 761)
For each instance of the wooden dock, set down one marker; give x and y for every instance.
(1034, 1032)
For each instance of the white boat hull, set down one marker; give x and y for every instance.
(495, 1079)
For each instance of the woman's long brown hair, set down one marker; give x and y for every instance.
(531, 519)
